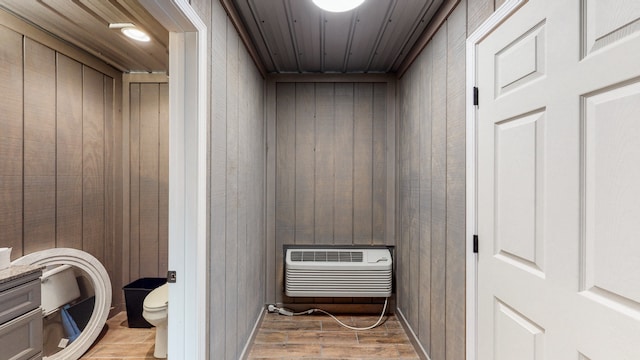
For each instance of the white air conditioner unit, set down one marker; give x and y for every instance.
(338, 272)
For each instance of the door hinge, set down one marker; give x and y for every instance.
(475, 96)
(171, 276)
(475, 244)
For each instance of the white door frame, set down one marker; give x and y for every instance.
(506, 10)
(188, 76)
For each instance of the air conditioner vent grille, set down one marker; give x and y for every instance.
(327, 256)
(338, 272)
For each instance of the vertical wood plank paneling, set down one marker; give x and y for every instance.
(343, 201)
(304, 162)
(112, 252)
(403, 246)
(414, 199)
(68, 153)
(498, 3)
(324, 158)
(477, 12)
(271, 251)
(304, 165)
(441, 322)
(134, 181)
(232, 193)
(237, 155)
(425, 75)
(392, 159)
(11, 140)
(119, 165)
(237, 189)
(255, 229)
(285, 174)
(148, 178)
(93, 163)
(363, 164)
(379, 176)
(348, 189)
(244, 142)
(218, 168)
(439, 192)
(455, 230)
(163, 176)
(149, 98)
(39, 147)
(261, 148)
(64, 142)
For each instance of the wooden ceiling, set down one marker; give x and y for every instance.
(85, 24)
(294, 36)
(290, 36)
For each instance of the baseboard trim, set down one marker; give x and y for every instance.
(422, 352)
(247, 346)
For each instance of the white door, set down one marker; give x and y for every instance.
(559, 183)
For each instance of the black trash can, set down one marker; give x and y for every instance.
(134, 294)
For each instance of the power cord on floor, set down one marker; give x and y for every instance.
(287, 312)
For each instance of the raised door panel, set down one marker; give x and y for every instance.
(522, 61)
(516, 336)
(518, 172)
(612, 210)
(605, 23)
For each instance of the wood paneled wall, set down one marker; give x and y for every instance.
(431, 248)
(60, 148)
(237, 186)
(148, 178)
(330, 157)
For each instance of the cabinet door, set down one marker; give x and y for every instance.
(21, 338)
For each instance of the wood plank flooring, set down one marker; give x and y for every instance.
(320, 337)
(279, 337)
(120, 342)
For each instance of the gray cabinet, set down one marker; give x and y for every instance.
(20, 317)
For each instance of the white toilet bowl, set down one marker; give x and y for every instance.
(155, 308)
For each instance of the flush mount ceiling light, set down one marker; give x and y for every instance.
(135, 34)
(131, 31)
(337, 5)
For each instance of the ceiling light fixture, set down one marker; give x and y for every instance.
(337, 5)
(135, 34)
(131, 31)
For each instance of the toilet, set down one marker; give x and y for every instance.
(155, 312)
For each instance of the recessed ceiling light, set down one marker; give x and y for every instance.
(135, 34)
(338, 5)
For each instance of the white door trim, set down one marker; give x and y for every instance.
(508, 8)
(188, 309)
